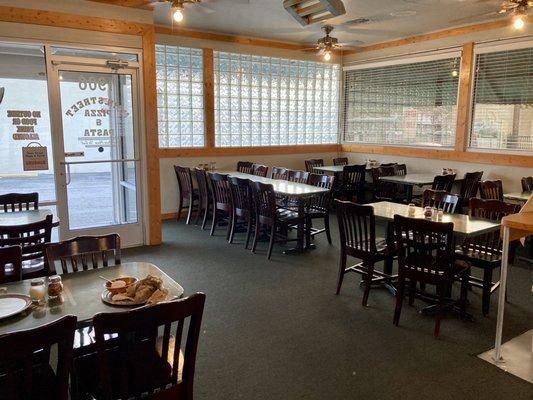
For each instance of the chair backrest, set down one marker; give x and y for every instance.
(491, 190)
(382, 189)
(440, 199)
(469, 186)
(353, 177)
(31, 237)
(10, 264)
(400, 170)
(264, 202)
(321, 203)
(340, 161)
(220, 189)
(183, 174)
(527, 184)
(27, 369)
(312, 163)
(83, 253)
(279, 173)
(201, 179)
(13, 202)
(241, 195)
(425, 247)
(246, 167)
(140, 362)
(260, 170)
(298, 176)
(357, 229)
(391, 164)
(489, 244)
(443, 182)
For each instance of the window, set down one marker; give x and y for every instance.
(502, 115)
(408, 104)
(180, 103)
(265, 101)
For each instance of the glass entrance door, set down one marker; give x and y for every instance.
(99, 156)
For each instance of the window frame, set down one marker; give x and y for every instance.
(404, 59)
(486, 48)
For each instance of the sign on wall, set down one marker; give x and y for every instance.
(35, 158)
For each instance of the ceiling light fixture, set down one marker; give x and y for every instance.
(327, 55)
(519, 22)
(178, 14)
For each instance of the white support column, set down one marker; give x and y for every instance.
(501, 297)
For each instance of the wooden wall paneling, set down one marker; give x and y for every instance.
(209, 98)
(464, 97)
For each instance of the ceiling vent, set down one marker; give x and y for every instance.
(308, 12)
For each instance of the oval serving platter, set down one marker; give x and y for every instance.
(13, 304)
(107, 298)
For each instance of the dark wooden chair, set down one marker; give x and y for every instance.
(527, 184)
(221, 201)
(268, 215)
(83, 253)
(491, 190)
(353, 183)
(340, 161)
(10, 264)
(279, 173)
(319, 207)
(443, 182)
(32, 238)
(246, 167)
(204, 195)
(150, 358)
(187, 195)
(357, 229)
(485, 251)
(401, 190)
(260, 170)
(13, 202)
(29, 369)
(425, 256)
(298, 176)
(468, 190)
(311, 164)
(440, 200)
(383, 191)
(243, 210)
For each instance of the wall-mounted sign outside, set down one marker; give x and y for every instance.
(35, 158)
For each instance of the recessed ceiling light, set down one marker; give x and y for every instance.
(402, 14)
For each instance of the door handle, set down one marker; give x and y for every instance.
(67, 172)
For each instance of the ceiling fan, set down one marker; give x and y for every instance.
(177, 7)
(327, 44)
(517, 8)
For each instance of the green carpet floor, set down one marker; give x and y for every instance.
(276, 330)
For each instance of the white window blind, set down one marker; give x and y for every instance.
(411, 104)
(502, 115)
(180, 103)
(265, 101)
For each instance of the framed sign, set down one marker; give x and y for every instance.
(35, 158)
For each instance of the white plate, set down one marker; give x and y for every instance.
(107, 298)
(13, 304)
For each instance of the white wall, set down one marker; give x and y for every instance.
(169, 186)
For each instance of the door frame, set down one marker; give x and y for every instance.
(55, 64)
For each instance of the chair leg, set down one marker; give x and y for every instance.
(180, 207)
(487, 283)
(326, 226)
(198, 212)
(412, 291)
(206, 213)
(256, 235)
(342, 269)
(189, 213)
(214, 222)
(399, 301)
(368, 282)
(272, 239)
(230, 222)
(441, 292)
(248, 231)
(231, 228)
(464, 293)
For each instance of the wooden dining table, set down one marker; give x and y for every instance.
(81, 296)
(520, 197)
(294, 190)
(26, 217)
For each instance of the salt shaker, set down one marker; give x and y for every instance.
(440, 214)
(411, 209)
(37, 290)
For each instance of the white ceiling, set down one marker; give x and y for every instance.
(390, 19)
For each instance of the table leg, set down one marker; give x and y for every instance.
(409, 193)
(300, 230)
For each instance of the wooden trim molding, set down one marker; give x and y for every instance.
(463, 30)
(464, 97)
(514, 160)
(209, 98)
(238, 151)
